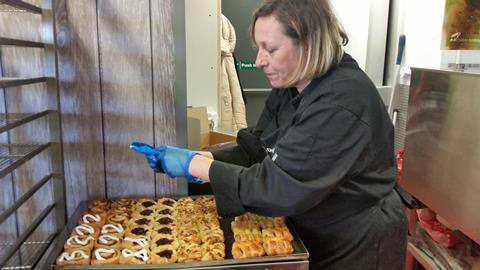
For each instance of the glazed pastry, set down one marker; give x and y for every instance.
(188, 252)
(105, 256)
(247, 249)
(213, 251)
(277, 247)
(163, 254)
(277, 233)
(74, 257)
(113, 229)
(134, 257)
(108, 241)
(94, 220)
(84, 242)
(85, 230)
(134, 244)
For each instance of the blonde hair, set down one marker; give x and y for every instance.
(316, 30)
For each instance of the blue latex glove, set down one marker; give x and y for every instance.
(176, 161)
(150, 154)
(168, 159)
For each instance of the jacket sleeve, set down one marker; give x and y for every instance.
(315, 156)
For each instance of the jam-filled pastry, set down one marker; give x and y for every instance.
(165, 211)
(247, 249)
(117, 218)
(94, 220)
(140, 213)
(163, 221)
(164, 231)
(146, 203)
(134, 244)
(85, 229)
(166, 202)
(278, 233)
(138, 231)
(108, 241)
(163, 254)
(141, 221)
(162, 240)
(134, 257)
(105, 256)
(189, 252)
(213, 251)
(113, 229)
(74, 257)
(79, 242)
(277, 247)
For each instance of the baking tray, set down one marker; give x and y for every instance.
(300, 252)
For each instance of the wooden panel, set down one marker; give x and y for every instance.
(80, 98)
(163, 52)
(126, 81)
(27, 62)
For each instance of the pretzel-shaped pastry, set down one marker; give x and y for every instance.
(105, 256)
(277, 247)
(163, 254)
(247, 249)
(277, 233)
(74, 257)
(135, 244)
(134, 257)
(213, 251)
(85, 229)
(79, 242)
(107, 241)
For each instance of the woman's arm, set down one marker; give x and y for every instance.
(200, 166)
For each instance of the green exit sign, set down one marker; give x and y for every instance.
(246, 65)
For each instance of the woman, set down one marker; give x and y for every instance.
(321, 152)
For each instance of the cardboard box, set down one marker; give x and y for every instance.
(199, 135)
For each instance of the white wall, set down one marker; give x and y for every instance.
(202, 49)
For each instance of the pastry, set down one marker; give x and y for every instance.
(164, 212)
(117, 218)
(188, 252)
(141, 213)
(108, 241)
(134, 257)
(84, 242)
(247, 249)
(94, 220)
(212, 235)
(138, 231)
(277, 247)
(166, 202)
(165, 231)
(247, 234)
(277, 233)
(85, 229)
(163, 220)
(141, 221)
(105, 256)
(213, 251)
(163, 254)
(134, 244)
(100, 203)
(162, 240)
(113, 229)
(189, 234)
(146, 203)
(74, 257)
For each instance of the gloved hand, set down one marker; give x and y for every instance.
(172, 160)
(176, 161)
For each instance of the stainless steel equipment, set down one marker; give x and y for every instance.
(296, 261)
(442, 147)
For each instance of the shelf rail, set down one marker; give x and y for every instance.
(10, 251)
(13, 156)
(19, 42)
(10, 121)
(12, 82)
(24, 198)
(22, 5)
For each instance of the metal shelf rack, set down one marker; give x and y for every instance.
(23, 253)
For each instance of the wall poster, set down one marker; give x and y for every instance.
(461, 25)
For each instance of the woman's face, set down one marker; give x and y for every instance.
(277, 55)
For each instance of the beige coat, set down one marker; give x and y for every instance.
(231, 105)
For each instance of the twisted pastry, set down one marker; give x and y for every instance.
(188, 252)
(94, 220)
(105, 256)
(277, 233)
(247, 249)
(213, 251)
(74, 257)
(84, 242)
(134, 244)
(134, 257)
(114, 218)
(107, 241)
(277, 247)
(85, 229)
(113, 229)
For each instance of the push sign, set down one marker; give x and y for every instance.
(246, 65)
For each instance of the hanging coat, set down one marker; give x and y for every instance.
(231, 105)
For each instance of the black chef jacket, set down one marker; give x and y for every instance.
(324, 158)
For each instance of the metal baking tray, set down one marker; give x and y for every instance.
(300, 253)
